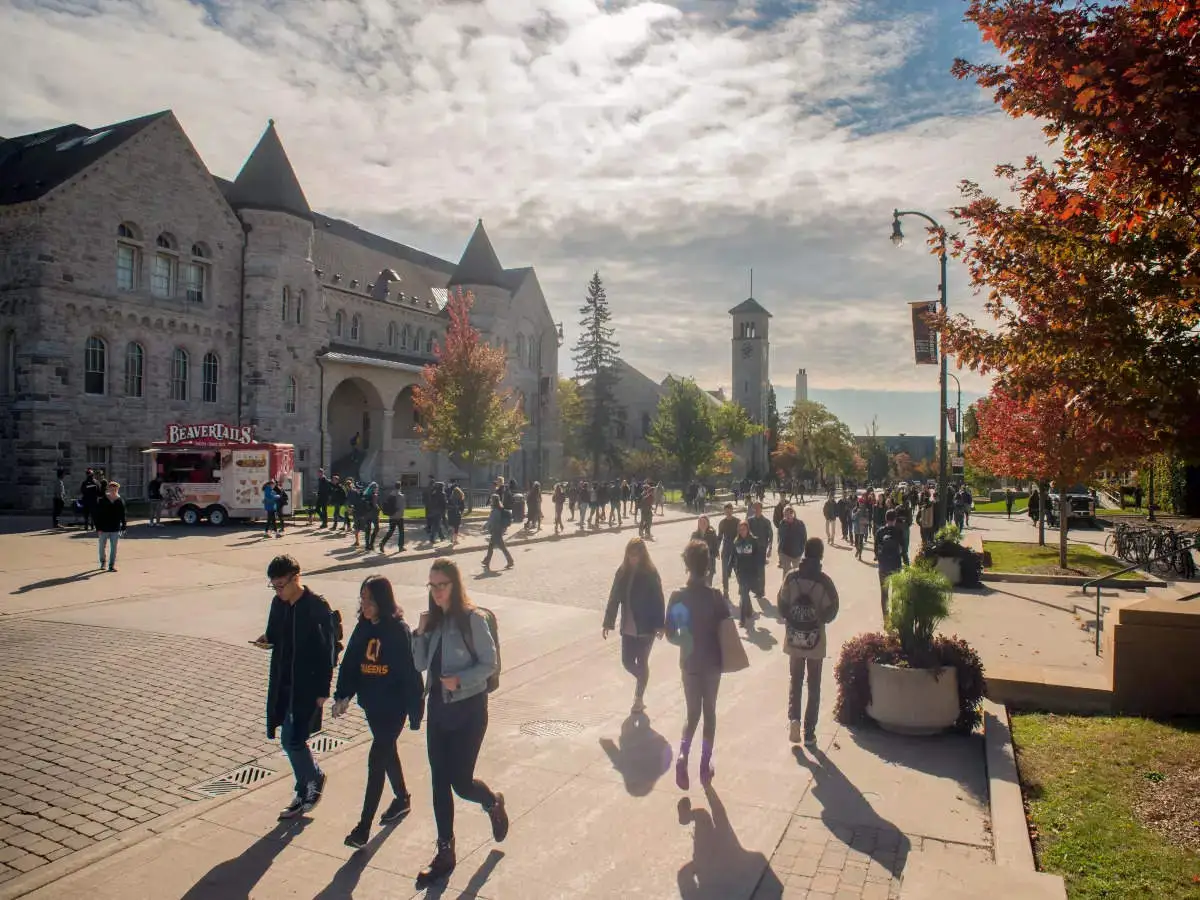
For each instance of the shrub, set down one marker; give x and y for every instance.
(948, 534)
(918, 602)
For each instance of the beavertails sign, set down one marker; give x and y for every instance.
(210, 433)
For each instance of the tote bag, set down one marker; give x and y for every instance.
(733, 654)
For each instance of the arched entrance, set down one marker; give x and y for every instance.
(404, 417)
(354, 422)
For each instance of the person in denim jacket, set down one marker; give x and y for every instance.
(454, 645)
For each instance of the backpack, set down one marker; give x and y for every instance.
(506, 516)
(887, 550)
(281, 499)
(803, 622)
(493, 681)
(336, 632)
(389, 505)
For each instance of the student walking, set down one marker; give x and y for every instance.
(109, 519)
(694, 615)
(154, 494)
(746, 564)
(704, 532)
(89, 496)
(764, 534)
(727, 532)
(456, 507)
(808, 602)
(646, 510)
(496, 524)
(370, 509)
(303, 635)
(454, 644)
(890, 554)
(394, 506)
(560, 497)
(829, 511)
(378, 668)
(862, 524)
(637, 594)
(60, 498)
(792, 536)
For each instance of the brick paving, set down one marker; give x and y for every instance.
(109, 728)
(820, 861)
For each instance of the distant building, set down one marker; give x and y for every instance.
(751, 380)
(919, 447)
(802, 386)
(638, 396)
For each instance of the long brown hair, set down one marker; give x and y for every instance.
(460, 603)
(643, 564)
(380, 590)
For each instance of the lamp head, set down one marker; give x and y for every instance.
(897, 234)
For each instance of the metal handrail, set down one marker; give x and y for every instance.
(1187, 544)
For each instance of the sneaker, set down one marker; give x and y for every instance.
(810, 741)
(312, 794)
(795, 732)
(359, 836)
(293, 809)
(441, 865)
(112, 568)
(681, 774)
(399, 808)
(499, 816)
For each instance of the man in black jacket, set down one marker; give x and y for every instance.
(109, 519)
(890, 553)
(302, 637)
(793, 534)
(324, 492)
(760, 527)
(337, 499)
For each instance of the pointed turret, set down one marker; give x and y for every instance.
(267, 180)
(479, 264)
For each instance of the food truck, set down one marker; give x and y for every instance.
(216, 472)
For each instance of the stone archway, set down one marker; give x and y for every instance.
(354, 409)
(404, 416)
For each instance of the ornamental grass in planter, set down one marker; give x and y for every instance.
(919, 601)
(947, 545)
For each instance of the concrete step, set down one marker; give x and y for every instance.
(1051, 688)
(937, 875)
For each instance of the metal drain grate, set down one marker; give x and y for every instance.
(551, 728)
(323, 743)
(237, 780)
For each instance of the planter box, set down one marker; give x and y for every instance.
(951, 567)
(913, 701)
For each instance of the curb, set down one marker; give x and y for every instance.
(1070, 580)
(1010, 830)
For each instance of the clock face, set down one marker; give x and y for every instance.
(747, 349)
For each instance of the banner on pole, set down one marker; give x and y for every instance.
(952, 419)
(925, 346)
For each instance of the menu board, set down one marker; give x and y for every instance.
(245, 476)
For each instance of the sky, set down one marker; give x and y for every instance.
(671, 145)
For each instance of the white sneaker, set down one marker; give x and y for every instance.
(795, 732)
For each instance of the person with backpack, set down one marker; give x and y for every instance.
(693, 619)
(456, 507)
(454, 643)
(270, 502)
(808, 602)
(394, 506)
(498, 521)
(637, 594)
(861, 523)
(304, 637)
(378, 668)
(560, 497)
(792, 537)
(370, 513)
(829, 511)
(337, 499)
(889, 552)
(646, 510)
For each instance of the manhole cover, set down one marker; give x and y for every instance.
(551, 728)
(233, 781)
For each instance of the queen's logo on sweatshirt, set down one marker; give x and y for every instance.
(371, 664)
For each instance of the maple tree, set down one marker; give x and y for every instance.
(1044, 437)
(460, 406)
(1092, 272)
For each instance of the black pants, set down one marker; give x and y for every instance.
(337, 512)
(453, 738)
(58, 509)
(88, 510)
(700, 696)
(323, 512)
(883, 591)
(274, 521)
(370, 532)
(726, 568)
(799, 666)
(635, 657)
(397, 526)
(496, 542)
(382, 762)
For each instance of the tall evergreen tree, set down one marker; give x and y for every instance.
(772, 420)
(595, 355)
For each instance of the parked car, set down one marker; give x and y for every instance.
(1081, 506)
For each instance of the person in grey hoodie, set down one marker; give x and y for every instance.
(808, 602)
(496, 524)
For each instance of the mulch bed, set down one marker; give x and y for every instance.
(1170, 805)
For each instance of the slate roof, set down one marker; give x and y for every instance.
(32, 165)
(268, 181)
(353, 233)
(479, 264)
(749, 305)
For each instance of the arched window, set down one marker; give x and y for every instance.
(289, 396)
(337, 323)
(429, 341)
(210, 373)
(129, 256)
(533, 352)
(355, 328)
(405, 337)
(94, 366)
(179, 374)
(521, 347)
(285, 306)
(391, 336)
(166, 264)
(299, 307)
(420, 341)
(135, 369)
(196, 274)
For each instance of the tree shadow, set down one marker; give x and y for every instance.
(55, 582)
(346, 879)
(720, 866)
(236, 878)
(642, 755)
(472, 888)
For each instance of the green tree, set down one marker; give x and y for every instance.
(684, 429)
(733, 424)
(595, 355)
(571, 414)
(772, 420)
(824, 444)
(459, 403)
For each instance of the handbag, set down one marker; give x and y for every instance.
(733, 654)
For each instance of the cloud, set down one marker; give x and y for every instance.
(672, 146)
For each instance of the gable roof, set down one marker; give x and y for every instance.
(750, 306)
(268, 181)
(32, 165)
(479, 264)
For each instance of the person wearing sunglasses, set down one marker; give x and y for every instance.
(454, 644)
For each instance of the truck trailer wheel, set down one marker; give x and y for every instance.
(217, 516)
(189, 515)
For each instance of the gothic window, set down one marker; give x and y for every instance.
(405, 337)
(429, 339)
(521, 347)
(355, 328)
(289, 396)
(135, 365)
(748, 330)
(94, 364)
(166, 263)
(195, 275)
(210, 374)
(179, 374)
(285, 306)
(391, 335)
(337, 323)
(129, 255)
(533, 352)
(299, 307)
(420, 341)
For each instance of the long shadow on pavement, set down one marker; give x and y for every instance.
(236, 878)
(642, 756)
(56, 582)
(472, 888)
(720, 866)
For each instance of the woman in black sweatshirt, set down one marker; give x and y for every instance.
(637, 595)
(378, 667)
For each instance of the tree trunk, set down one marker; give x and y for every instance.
(1064, 518)
(1043, 510)
(470, 485)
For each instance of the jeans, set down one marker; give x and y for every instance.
(323, 512)
(370, 532)
(799, 664)
(58, 510)
(787, 563)
(337, 512)
(453, 752)
(383, 762)
(396, 526)
(293, 737)
(700, 697)
(156, 507)
(110, 538)
(635, 657)
(274, 521)
(829, 530)
(496, 542)
(744, 585)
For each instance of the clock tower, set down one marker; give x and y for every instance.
(751, 379)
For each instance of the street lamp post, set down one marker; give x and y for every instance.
(898, 239)
(958, 423)
(543, 399)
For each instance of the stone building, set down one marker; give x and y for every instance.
(137, 290)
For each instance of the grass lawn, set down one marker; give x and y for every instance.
(1102, 794)
(1127, 511)
(997, 506)
(418, 513)
(1012, 556)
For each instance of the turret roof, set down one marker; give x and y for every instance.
(749, 305)
(267, 180)
(479, 264)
